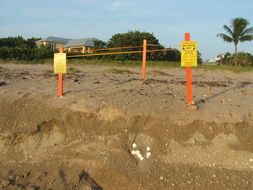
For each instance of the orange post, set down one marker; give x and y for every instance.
(188, 77)
(60, 78)
(144, 59)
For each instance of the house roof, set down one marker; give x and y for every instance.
(54, 39)
(81, 42)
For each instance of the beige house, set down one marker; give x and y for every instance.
(83, 45)
(53, 42)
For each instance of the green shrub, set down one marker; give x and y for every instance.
(17, 48)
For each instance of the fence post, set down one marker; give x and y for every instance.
(144, 59)
(188, 77)
(60, 79)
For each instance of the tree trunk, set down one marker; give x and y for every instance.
(236, 60)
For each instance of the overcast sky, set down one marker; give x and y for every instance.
(167, 19)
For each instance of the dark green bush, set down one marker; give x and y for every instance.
(17, 48)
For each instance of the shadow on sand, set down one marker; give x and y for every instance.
(240, 86)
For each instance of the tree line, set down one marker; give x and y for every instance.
(18, 48)
(134, 38)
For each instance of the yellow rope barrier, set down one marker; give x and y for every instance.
(154, 45)
(127, 47)
(105, 49)
(113, 53)
(161, 45)
(161, 50)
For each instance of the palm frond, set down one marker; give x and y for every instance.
(225, 37)
(247, 31)
(228, 29)
(239, 25)
(240, 22)
(246, 38)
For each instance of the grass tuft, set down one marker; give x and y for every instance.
(74, 70)
(45, 61)
(226, 67)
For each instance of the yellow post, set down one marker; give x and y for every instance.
(144, 59)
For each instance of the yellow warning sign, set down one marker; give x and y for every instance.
(189, 54)
(60, 63)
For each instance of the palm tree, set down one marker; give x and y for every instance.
(237, 32)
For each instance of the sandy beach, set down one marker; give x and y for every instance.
(113, 130)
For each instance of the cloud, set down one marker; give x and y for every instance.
(118, 4)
